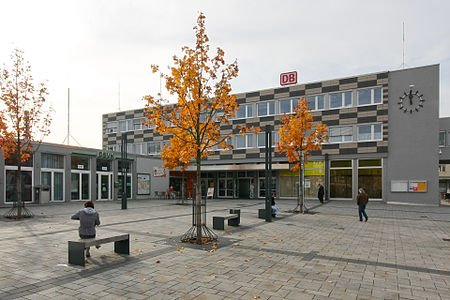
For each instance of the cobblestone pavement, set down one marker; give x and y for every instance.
(402, 252)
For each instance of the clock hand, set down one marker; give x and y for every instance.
(410, 97)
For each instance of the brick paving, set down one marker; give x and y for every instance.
(400, 253)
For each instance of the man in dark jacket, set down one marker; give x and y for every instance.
(362, 199)
(320, 193)
(89, 218)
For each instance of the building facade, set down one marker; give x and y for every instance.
(444, 158)
(382, 131)
(59, 173)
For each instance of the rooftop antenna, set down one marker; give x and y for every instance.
(403, 47)
(68, 121)
(160, 87)
(119, 95)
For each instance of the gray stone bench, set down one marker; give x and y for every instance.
(77, 248)
(234, 218)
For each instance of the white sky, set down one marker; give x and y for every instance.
(91, 46)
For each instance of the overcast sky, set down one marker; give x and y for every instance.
(94, 46)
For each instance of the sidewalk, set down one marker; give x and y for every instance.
(402, 252)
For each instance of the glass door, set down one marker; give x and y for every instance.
(104, 186)
(52, 185)
(79, 186)
(226, 187)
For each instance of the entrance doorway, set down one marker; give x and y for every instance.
(244, 188)
(104, 191)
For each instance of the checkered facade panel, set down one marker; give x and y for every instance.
(351, 116)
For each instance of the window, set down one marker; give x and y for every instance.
(103, 165)
(370, 172)
(138, 148)
(80, 163)
(245, 111)
(261, 143)
(113, 148)
(137, 124)
(340, 134)
(316, 102)
(244, 141)
(154, 148)
(111, 127)
(370, 96)
(125, 125)
(266, 108)
(52, 161)
(341, 179)
(288, 105)
(343, 99)
(441, 138)
(371, 132)
(219, 147)
(11, 184)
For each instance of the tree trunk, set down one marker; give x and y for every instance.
(198, 199)
(19, 190)
(300, 184)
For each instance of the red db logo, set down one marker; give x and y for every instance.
(288, 78)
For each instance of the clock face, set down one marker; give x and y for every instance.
(411, 101)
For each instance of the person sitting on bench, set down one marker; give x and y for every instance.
(89, 218)
(275, 207)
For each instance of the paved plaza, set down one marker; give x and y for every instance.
(402, 252)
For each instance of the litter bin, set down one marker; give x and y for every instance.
(45, 193)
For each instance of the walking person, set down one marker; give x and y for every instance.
(89, 218)
(362, 199)
(252, 190)
(320, 193)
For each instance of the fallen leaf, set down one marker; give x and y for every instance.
(246, 260)
(158, 261)
(144, 279)
(212, 272)
(137, 249)
(256, 296)
(86, 260)
(178, 249)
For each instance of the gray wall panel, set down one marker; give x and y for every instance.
(413, 138)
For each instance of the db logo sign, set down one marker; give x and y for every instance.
(288, 78)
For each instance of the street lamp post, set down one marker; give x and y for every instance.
(124, 170)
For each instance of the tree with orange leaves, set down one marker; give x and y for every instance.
(26, 119)
(299, 136)
(201, 83)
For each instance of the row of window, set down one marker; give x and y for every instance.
(366, 132)
(125, 125)
(336, 134)
(53, 187)
(337, 100)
